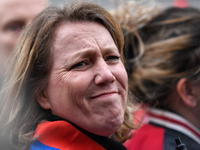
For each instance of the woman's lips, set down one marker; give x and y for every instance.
(104, 94)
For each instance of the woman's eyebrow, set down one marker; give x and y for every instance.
(72, 57)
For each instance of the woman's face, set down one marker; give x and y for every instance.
(88, 82)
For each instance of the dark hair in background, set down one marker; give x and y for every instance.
(167, 49)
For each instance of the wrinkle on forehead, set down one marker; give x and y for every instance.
(83, 37)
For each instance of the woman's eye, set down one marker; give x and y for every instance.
(79, 65)
(112, 58)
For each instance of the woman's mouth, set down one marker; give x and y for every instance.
(104, 94)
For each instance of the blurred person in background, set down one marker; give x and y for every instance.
(15, 15)
(67, 87)
(164, 73)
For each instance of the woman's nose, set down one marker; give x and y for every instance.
(104, 74)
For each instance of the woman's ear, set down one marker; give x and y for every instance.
(43, 100)
(186, 92)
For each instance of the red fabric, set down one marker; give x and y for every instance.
(147, 137)
(64, 136)
(139, 116)
(180, 3)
